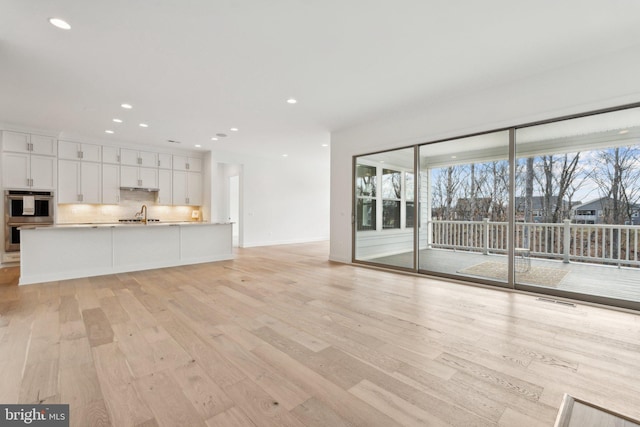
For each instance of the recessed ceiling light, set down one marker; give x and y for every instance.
(60, 23)
(622, 132)
(292, 101)
(143, 125)
(234, 129)
(454, 157)
(126, 106)
(108, 131)
(285, 155)
(214, 139)
(198, 145)
(325, 145)
(117, 120)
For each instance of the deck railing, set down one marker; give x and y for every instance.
(597, 243)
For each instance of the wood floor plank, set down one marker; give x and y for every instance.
(311, 342)
(223, 372)
(523, 388)
(167, 402)
(287, 394)
(98, 328)
(69, 309)
(93, 414)
(39, 382)
(261, 408)
(313, 413)
(79, 385)
(335, 397)
(204, 394)
(124, 405)
(114, 310)
(397, 408)
(232, 417)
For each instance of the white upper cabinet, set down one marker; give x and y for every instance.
(133, 176)
(28, 161)
(78, 181)
(16, 142)
(138, 158)
(165, 161)
(19, 142)
(79, 151)
(129, 157)
(187, 188)
(192, 164)
(110, 155)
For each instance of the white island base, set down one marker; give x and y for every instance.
(69, 252)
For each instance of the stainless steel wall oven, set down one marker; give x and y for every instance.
(23, 208)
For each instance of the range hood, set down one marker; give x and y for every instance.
(149, 190)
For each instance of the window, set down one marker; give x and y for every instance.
(408, 196)
(391, 198)
(366, 180)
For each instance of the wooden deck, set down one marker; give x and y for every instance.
(280, 336)
(606, 281)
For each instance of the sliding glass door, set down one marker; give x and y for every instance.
(551, 208)
(384, 211)
(578, 205)
(464, 202)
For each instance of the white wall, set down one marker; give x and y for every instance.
(282, 200)
(602, 82)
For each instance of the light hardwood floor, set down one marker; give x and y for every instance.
(280, 336)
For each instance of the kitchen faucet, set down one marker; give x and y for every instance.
(143, 214)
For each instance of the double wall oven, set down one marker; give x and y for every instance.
(23, 208)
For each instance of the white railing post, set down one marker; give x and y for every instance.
(485, 244)
(566, 250)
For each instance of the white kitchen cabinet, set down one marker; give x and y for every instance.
(192, 164)
(165, 161)
(110, 155)
(165, 179)
(28, 161)
(138, 177)
(79, 151)
(79, 182)
(140, 158)
(187, 188)
(29, 171)
(19, 142)
(110, 184)
(112, 249)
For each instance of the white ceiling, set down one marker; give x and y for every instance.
(194, 68)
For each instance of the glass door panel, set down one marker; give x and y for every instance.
(464, 194)
(578, 206)
(384, 208)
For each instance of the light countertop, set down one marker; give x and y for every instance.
(124, 224)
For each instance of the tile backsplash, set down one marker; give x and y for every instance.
(129, 205)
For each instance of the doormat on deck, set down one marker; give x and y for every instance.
(544, 276)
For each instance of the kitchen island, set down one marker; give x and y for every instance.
(62, 252)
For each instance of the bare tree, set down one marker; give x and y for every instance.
(616, 172)
(445, 191)
(495, 187)
(557, 176)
